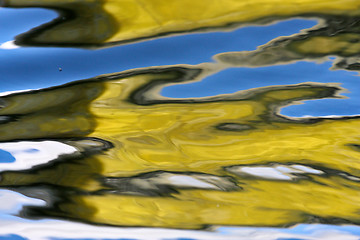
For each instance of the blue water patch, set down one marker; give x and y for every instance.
(236, 79)
(12, 237)
(6, 157)
(30, 18)
(29, 68)
(310, 228)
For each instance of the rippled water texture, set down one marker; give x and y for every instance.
(184, 119)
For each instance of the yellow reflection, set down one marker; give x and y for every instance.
(347, 44)
(169, 165)
(262, 203)
(95, 23)
(187, 137)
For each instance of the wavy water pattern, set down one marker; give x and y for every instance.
(112, 22)
(189, 152)
(121, 150)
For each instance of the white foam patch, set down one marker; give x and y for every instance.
(275, 172)
(9, 45)
(28, 154)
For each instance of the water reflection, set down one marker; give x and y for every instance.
(103, 23)
(111, 150)
(199, 156)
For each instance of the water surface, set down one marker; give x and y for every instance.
(182, 120)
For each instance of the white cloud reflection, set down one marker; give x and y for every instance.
(9, 45)
(275, 171)
(28, 154)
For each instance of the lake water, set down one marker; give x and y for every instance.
(201, 120)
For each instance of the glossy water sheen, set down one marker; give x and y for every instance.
(185, 123)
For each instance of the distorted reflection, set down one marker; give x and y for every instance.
(97, 23)
(183, 155)
(111, 150)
